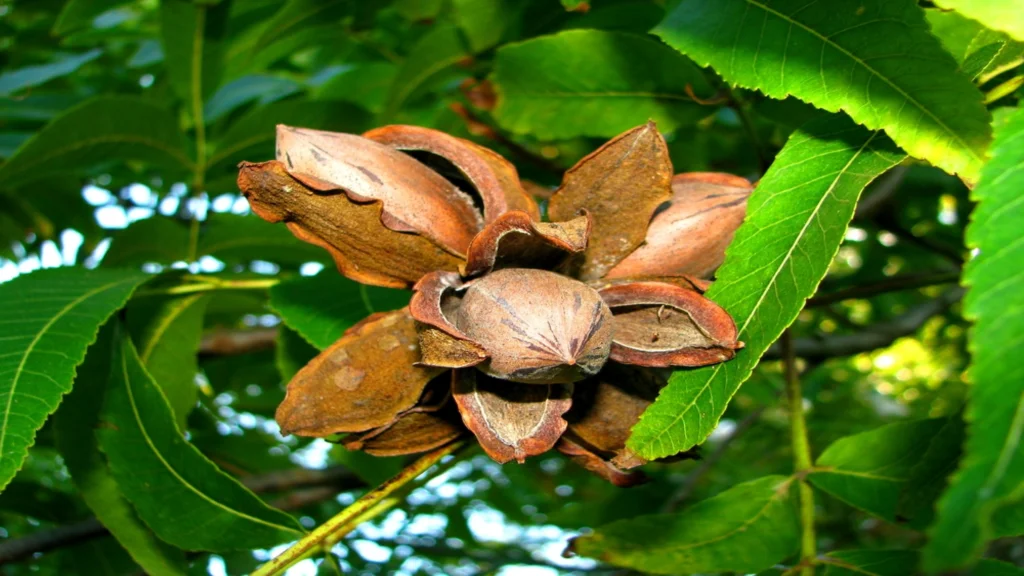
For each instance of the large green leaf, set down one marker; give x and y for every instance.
(482, 21)
(75, 424)
(929, 477)
(366, 84)
(434, 54)
(183, 497)
(167, 332)
(295, 16)
(80, 13)
(874, 60)
(871, 563)
(978, 50)
(868, 470)
(796, 219)
(991, 472)
(594, 83)
(158, 239)
(748, 528)
(241, 239)
(97, 131)
(49, 318)
(193, 35)
(990, 567)
(1004, 15)
(322, 307)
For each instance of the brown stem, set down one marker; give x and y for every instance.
(480, 128)
(894, 284)
(234, 342)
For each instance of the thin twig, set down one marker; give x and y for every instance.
(894, 284)
(480, 128)
(880, 193)
(873, 337)
(346, 520)
(234, 342)
(801, 453)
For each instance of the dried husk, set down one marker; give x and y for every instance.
(537, 327)
(441, 342)
(511, 421)
(661, 325)
(363, 381)
(620, 185)
(414, 197)
(422, 428)
(362, 247)
(690, 235)
(608, 405)
(494, 178)
(517, 240)
(599, 466)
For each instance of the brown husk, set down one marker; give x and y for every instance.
(517, 240)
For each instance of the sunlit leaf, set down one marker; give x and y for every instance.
(166, 332)
(594, 83)
(992, 469)
(747, 528)
(183, 497)
(482, 21)
(50, 317)
(322, 307)
(869, 469)
(1004, 15)
(796, 218)
(75, 425)
(874, 60)
(100, 130)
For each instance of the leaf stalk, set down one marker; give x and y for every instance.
(801, 456)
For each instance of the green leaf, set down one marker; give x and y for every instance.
(990, 567)
(366, 85)
(928, 478)
(158, 239)
(242, 239)
(295, 16)
(99, 130)
(979, 51)
(869, 469)
(1009, 520)
(292, 352)
(15, 80)
(193, 35)
(849, 55)
(991, 471)
(322, 307)
(871, 563)
(796, 219)
(252, 136)
(432, 55)
(75, 424)
(747, 528)
(78, 14)
(594, 83)
(184, 497)
(1003, 15)
(49, 317)
(482, 21)
(576, 5)
(166, 332)
(262, 88)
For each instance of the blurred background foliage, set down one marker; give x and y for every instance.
(349, 65)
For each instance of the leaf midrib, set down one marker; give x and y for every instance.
(826, 41)
(149, 442)
(35, 341)
(746, 322)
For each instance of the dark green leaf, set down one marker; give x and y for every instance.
(868, 470)
(75, 424)
(193, 36)
(594, 83)
(15, 80)
(322, 307)
(747, 528)
(159, 239)
(847, 55)
(990, 567)
(796, 218)
(482, 21)
(78, 14)
(100, 130)
(1003, 15)
(241, 239)
(166, 332)
(992, 469)
(292, 352)
(871, 563)
(39, 502)
(100, 557)
(297, 15)
(254, 87)
(435, 53)
(928, 478)
(184, 497)
(49, 317)
(366, 85)
(1008, 520)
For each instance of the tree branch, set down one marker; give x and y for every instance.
(233, 342)
(311, 486)
(873, 337)
(894, 284)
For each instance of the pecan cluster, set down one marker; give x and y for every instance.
(531, 335)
